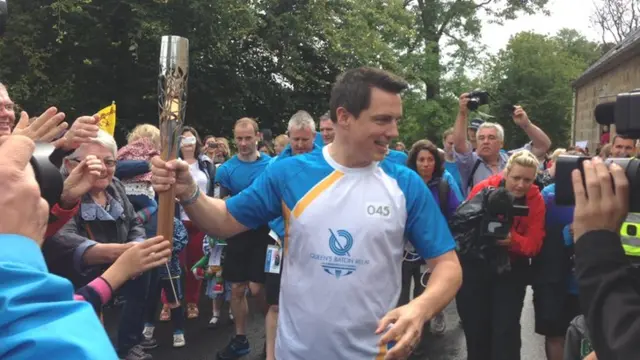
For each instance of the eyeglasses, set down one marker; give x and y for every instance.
(107, 162)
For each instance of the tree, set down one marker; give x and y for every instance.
(535, 71)
(458, 23)
(616, 18)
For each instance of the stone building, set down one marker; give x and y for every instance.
(615, 72)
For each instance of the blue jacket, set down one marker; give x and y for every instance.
(39, 317)
(277, 225)
(554, 263)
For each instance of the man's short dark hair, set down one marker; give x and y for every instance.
(352, 89)
(623, 137)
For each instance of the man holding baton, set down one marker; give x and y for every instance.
(347, 214)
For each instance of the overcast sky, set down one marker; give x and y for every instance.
(564, 13)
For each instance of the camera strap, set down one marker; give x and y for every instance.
(473, 172)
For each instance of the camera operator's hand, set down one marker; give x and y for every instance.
(597, 206)
(591, 356)
(462, 108)
(82, 131)
(520, 117)
(505, 242)
(22, 210)
(166, 173)
(45, 128)
(80, 181)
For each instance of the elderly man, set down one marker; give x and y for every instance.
(348, 215)
(302, 128)
(488, 159)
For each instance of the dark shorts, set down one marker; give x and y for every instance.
(554, 309)
(272, 288)
(245, 255)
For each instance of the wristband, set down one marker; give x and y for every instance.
(192, 199)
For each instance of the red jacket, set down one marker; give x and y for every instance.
(527, 232)
(58, 217)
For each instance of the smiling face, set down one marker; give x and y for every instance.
(371, 133)
(103, 154)
(7, 113)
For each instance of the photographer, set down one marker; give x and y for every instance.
(609, 285)
(488, 160)
(491, 297)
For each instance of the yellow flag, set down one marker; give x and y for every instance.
(108, 118)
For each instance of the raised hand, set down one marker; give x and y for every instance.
(81, 180)
(83, 130)
(45, 128)
(22, 209)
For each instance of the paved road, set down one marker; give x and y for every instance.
(202, 343)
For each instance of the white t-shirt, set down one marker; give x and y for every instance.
(202, 180)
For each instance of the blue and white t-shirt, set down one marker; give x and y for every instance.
(345, 230)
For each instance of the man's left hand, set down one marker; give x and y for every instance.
(407, 323)
(82, 131)
(520, 117)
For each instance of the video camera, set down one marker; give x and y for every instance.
(500, 210)
(624, 112)
(46, 160)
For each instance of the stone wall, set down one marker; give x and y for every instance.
(598, 90)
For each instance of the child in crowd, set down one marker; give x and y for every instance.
(210, 268)
(172, 286)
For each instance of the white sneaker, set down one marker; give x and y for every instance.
(215, 319)
(230, 315)
(178, 340)
(148, 331)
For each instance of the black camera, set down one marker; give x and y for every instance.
(46, 162)
(620, 112)
(501, 207)
(477, 98)
(564, 185)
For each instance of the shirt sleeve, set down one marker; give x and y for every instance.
(222, 177)
(465, 162)
(96, 293)
(261, 202)
(426, 227)
(58, 217)
(39, 316)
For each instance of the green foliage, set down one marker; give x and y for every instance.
(535, 71)
(270, 58)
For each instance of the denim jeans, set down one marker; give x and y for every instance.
(135, 293)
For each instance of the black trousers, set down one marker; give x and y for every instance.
(410, 271)
(490, 306)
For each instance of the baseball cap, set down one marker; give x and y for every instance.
(475, 124)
